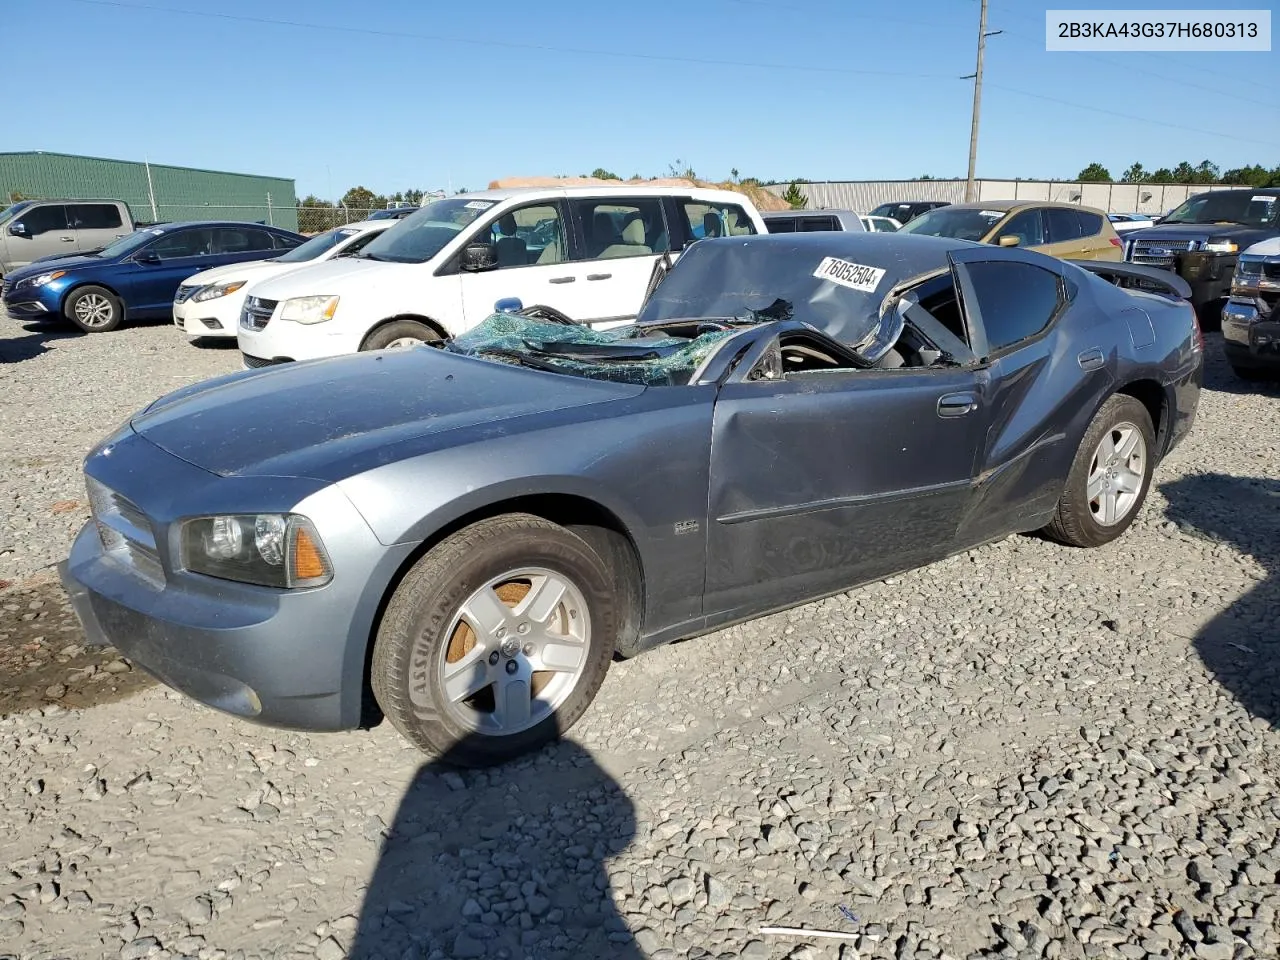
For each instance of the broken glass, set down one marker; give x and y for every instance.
(624, 354)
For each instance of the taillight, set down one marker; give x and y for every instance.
(1197, 339)
(1115, 241)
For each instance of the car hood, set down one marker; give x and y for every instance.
(257, 269)
(1267, 248)
(37, 267)
(1244, 235)
(329, 277)
(316, 419)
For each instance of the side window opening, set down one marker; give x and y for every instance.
(1026, 226)
(620, 228)
(528, 235)
(716, 220)
(1018, 301)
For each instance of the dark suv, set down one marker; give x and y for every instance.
(909, 210)
(1201, 240)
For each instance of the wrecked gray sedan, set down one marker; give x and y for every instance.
(462, 539)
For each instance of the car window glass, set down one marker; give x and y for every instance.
(1062, 224)
(40, 220)
(716, 220)
(240, 240)
(1026, 226)
(818, 224)
(359, 242)
(781, 224)
(1017, 300)
(94, 216)
(1090, 223)
(183, 243)
(622, 228)
(281, 242)
(528, 235)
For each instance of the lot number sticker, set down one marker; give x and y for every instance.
(855, 276)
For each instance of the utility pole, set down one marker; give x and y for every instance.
(969, 189)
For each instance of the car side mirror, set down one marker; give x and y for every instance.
(1009, 240)
(147, 256)
(18, 229)
(478, 257)
(508, 305)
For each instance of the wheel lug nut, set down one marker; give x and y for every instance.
(528, 649)
(500, 632)
(493, 658)
(522, 629)
(512, 666)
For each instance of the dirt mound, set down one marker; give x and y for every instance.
(763, 199)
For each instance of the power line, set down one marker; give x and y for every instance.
(510, 44)
(1234, 94)
(617, 54)
(1129, 116)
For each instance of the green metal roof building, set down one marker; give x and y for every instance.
(153, 191)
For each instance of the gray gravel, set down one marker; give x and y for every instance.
(1024, 751)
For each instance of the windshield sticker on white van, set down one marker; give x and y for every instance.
(347, 233)
(855, 276)
(995, 214)
(479, 204)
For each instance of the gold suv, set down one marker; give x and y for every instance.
(1058, 229)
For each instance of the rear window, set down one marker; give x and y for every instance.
(818, 224)
(94, 216)
(715, 219)
(1063, 224)
(1090, 223)
(780, 224)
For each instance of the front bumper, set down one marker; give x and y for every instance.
(1208, 274)
(284, 340)
(1249, 341)
(23, 307)
(288, 658)
(213, 318)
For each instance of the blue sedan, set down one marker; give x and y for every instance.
(137, 276)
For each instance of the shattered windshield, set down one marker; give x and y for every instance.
(774, 278)
(624, 354)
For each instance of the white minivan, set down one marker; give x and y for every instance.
(586, 251)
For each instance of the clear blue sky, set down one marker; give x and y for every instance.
(385, 93)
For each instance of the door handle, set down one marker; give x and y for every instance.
(957, 404)
(67, 239)
(599, 276)
(1090, 359)
(562, 279)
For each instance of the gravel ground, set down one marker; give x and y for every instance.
(1023, 751)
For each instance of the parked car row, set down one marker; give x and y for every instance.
(135, 276)
(473, 532)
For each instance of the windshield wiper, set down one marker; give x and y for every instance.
(601, 352)
(521, 358)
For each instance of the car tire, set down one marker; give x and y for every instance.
(1106, 485)
(457, 688)
(93, 309)
(399, 333)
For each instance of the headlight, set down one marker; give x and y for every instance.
(269, 549)
(309, 309)
(215, 290)
(41, 280)
(1220, 245)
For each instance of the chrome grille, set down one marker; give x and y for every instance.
(184, 292)
(8, 285)
(126, 533)
(1158, 253)
(256, 313)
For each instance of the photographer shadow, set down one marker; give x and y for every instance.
(504, 862)
(1241, 645)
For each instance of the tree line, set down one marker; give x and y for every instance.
(1206, 172)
